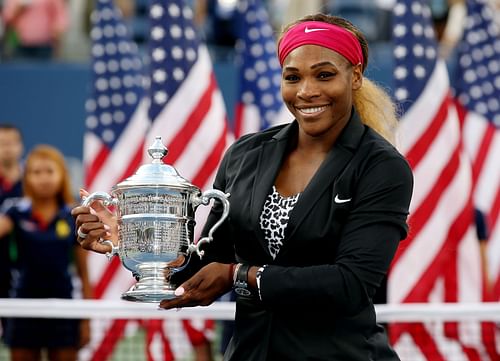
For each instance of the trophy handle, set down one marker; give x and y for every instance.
(205, 200)
(107, 200)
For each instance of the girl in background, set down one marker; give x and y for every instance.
(46, 243)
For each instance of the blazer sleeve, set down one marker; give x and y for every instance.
(367, 244)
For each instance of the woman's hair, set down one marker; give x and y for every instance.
(48, 152)
(373, 104)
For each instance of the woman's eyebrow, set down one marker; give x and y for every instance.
(317, 65)
(323, 63)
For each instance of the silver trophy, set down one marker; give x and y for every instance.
(155, 209)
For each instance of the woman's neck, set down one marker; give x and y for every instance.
(46, 207)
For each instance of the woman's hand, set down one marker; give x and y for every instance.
(209, 283)
(93, 224)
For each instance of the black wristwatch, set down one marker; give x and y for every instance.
(241, 282)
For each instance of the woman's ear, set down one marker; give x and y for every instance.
(357, 76)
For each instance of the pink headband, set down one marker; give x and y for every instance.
(323, 34)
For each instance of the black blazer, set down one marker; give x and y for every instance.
(341, 237)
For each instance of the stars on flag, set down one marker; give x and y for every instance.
(415, 50)
(117, 78)
(480, 65)
(174, 47)
(260, 70)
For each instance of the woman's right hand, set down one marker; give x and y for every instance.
(95, 223)
(202, 289)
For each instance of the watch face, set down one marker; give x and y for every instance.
(242, 291)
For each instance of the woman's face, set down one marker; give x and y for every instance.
(44, 178)
(317, 85)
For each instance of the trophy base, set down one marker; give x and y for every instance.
(149, 294)
(153, 284)
(147, 297)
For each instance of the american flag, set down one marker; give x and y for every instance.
(478, 103)
(259, 103)
(116, 121)
(184, 106)
(116, 127)
(440, 259)
(188, 112)
(187, 107)
(478, 95)
(116, 124)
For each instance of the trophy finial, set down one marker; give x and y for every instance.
(157, 150)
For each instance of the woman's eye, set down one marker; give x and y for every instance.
(291, 77)
(325, 75)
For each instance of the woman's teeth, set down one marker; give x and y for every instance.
(312, 110)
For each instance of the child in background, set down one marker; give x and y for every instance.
(46, 243)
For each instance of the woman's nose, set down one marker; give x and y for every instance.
(307, 90)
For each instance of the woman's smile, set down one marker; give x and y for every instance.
(311, 111)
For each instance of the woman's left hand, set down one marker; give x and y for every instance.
(209, 283)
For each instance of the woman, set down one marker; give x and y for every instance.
(318, 207)
(45, 240)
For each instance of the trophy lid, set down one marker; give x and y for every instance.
(156, 173)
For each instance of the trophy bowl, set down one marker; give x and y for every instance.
(155, 209)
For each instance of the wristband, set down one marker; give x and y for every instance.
(257, 279)
(241, 283)
(235, 272)
(231, 271)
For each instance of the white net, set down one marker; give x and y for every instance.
(124, 330)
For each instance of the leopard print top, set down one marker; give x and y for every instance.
(274, 219)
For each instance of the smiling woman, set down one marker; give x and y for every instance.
(372, 103)
(318, 207)
(314, 86)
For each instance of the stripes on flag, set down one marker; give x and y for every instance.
(478, 101)
(440, 260)
(259, 103)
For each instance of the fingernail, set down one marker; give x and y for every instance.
(106, 227)
(179, 291)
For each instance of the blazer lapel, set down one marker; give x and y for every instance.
(268, 165)
(336, 160)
